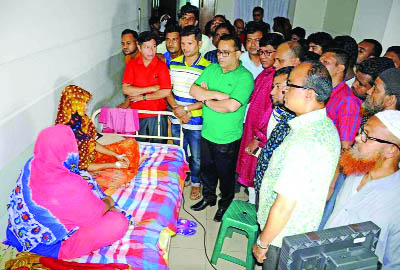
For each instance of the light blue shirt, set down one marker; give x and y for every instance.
(250, 66)
(378, 201)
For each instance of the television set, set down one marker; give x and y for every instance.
(342, 248)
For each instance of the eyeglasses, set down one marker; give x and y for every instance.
(364, 138)
(299, 86)
(265, 53)
(225, 53)
(253, 39)
(189, 19)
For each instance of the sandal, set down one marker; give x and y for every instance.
(195, 193)
(186, 223)
(185, 232)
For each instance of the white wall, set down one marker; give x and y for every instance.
(391, 34)
(371, 18)
(46, 45)
(310, 15)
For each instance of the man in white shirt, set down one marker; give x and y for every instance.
(250, 59)
(372, 187)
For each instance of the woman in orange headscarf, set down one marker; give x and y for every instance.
(112, 165)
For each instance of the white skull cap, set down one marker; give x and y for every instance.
(391, 120)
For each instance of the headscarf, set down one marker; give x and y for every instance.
(71, 111)
(46, 177)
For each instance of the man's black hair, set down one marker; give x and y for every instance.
(146, 36)
(131, 32)
(299, 31)
(236, 40)
(227, 26)
(271, 39)
(172, 28)
(191, 30)
(348, 44)
(189, 8)
(311, 56)
(221, 16)
(153, 20)
(342, 58)
(374, 66)
(322, 39)
(253, 27)
(377, 50)
(284, 70)
(395, 49)
(258, 9)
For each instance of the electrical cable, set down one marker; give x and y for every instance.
(204, 229)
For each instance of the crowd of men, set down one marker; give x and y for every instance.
(310, 126)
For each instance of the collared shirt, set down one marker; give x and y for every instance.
(156, 73)
(301, 169)
(378, 201)
(182, 78)
(223, 128)
(343, 108)
(247, 63)
(167, 56)
(212, 56)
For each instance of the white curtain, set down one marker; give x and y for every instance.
(272, 9)
(275, 8)
(244, 9)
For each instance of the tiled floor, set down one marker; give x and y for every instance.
(187, 253)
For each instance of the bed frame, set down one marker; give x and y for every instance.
(137, 135)
(165, 236)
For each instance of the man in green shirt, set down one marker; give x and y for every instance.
(224, 89)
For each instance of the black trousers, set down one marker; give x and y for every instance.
(272, 261)
(218, 161)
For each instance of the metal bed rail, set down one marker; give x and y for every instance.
(137, 135)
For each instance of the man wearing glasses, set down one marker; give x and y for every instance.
(224, 89)
(260, 108)
(189, 15)
(372, 187)
(250, 58)
(296, 183)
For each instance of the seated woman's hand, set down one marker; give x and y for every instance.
(123, 158)
(121, 164)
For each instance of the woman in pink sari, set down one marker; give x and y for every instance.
(260, 109)
(52, 210)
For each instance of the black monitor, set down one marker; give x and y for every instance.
(342, 248)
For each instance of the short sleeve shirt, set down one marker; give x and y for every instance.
(223, 128)
(156, 73)
(301, 169)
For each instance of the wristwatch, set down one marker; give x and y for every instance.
(259, 245)
(186, 108)
(144, 97)
(118, 164)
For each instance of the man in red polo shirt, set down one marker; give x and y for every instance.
(147, 82)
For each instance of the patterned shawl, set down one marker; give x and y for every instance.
(71, 111)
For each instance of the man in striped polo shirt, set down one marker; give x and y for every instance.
(184, 70)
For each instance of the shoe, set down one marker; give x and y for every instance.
(220, 213)
(201, 205)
